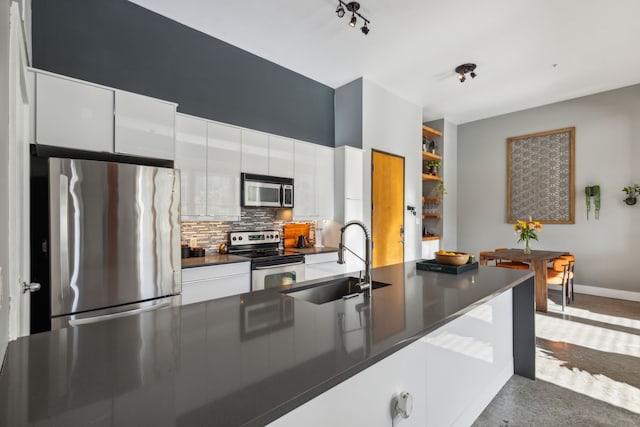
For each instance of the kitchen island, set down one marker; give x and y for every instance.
(248, 359)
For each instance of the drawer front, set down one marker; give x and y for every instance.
(205, 290)
(215, 271)
(318, 258)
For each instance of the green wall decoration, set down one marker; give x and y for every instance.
(593, 192)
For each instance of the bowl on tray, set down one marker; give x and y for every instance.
(452, 258)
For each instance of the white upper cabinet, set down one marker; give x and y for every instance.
(255, 152)
(191, 159)
(144, 126)
(324, 182)
(304, 202)
(280, 156)
(223, 170)
(72, 114)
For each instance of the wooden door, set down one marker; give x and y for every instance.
(387, 216)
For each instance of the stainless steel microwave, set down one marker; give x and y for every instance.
(266, 191)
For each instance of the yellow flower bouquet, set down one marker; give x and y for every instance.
(527, 230)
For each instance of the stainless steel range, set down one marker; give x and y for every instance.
(271, 266)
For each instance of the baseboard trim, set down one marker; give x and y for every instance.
(602, 292)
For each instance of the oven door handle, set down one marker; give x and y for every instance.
(278, 265)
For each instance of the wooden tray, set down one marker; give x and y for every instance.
(432, 265)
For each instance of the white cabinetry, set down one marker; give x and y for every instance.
(208, 155)
(223, 171)
(255, 152)
(452, 374)
(191, 159)
(215, 281)
(318, 266)
(304, 203)
(144, 126)
(72, 114)
(429, 248)
(313, 180)
(265, 154)
(280, 156)
(349, 190)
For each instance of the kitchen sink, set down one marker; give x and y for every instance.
(331, 290)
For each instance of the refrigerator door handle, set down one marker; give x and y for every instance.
(64, 233)
(95, 319)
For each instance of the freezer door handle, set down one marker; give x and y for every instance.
(95, 319)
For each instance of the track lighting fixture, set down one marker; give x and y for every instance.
(353, 7)
(464, 69)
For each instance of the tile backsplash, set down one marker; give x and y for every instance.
(209, 234)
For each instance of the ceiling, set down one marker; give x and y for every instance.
(529, 53)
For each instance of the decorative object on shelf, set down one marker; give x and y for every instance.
(633, 191)
(527, 230)
(353, 7)
(432, 147)
(541, 176)
(464, 69)
(593, 191)
(432, 167)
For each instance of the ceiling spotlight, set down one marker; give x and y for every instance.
(464, 69)
(353, 7)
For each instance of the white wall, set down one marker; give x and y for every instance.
(450, 179)
(4, 176)
(607, 154)
(394, 125)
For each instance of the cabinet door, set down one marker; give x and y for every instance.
(144, 126)
(191, 159)
(255, 152)
(324, 182)
(354, 170)
(223, 171)
(280, 156)
(208, 289)
(304, 181)
(73, 114)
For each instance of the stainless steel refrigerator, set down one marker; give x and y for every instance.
(114, 240)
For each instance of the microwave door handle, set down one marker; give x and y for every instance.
(282, 200)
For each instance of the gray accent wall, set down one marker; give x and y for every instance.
(119, 44)
(607, 154)
(348, 107)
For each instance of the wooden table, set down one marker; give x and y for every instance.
(537, 262)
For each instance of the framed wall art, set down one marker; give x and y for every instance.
(541, 177)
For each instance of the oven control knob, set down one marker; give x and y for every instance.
(234, 239)
(240, 238)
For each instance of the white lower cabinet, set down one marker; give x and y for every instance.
(215, 281)
(318, 266)
(452, 373)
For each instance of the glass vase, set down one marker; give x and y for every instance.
(527, 248)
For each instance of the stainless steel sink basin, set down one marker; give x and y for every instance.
(331, 290)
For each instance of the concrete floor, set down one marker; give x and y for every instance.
(587, 369)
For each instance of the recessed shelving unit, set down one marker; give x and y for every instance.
(431, 203)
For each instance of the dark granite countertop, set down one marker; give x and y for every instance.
(208, 364)
(214, 259)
